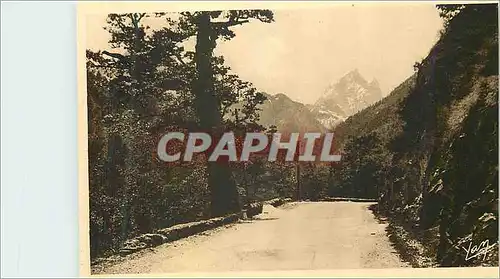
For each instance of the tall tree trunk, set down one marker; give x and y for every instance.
(224, 195)
(130, 157)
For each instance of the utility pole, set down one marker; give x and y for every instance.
(298, 180)
(298, 152)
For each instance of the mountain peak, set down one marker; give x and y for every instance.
(374, 83)
(354, 73)
(281, 96)
(347, 96)
(354, 76)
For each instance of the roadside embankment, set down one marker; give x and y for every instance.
(176, 232)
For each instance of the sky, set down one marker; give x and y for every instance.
(305, 50)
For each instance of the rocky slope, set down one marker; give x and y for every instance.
(344, 98)
(287, 115)
(429, 151)
(340, 100)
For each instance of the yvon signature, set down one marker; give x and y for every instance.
(477, 250)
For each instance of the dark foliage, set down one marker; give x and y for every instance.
(429, 150)
(147, 86)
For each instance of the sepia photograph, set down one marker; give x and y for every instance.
(294, 137)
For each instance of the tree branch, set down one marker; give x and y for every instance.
(230, 23)
(114, 55)
(118, 20)
(141, 16)
(103, 66)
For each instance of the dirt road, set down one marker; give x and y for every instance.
(306, 235)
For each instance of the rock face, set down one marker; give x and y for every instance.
(435, 140)
(340, 100)
(344, 98)
(288, 115)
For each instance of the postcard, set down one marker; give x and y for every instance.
(288, 139)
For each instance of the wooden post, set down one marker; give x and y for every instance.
(298, 151)
(298, 181)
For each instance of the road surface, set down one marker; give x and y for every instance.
(306, 235)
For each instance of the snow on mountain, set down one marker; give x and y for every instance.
(340, 100)
(344, 98)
